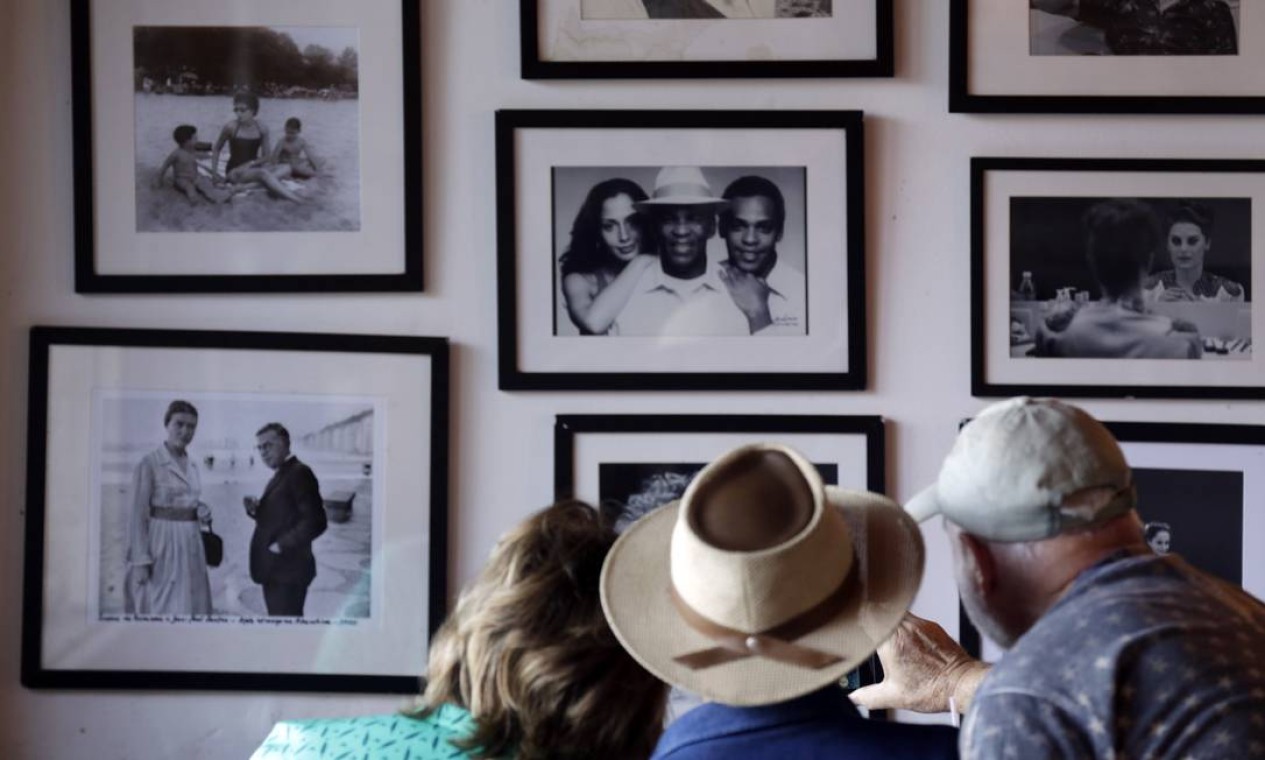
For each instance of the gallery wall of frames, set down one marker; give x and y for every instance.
(467, 256)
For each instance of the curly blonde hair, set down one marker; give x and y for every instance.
(528, 652)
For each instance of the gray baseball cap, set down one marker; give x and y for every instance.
(1027, 469)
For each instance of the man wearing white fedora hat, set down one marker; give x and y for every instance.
(759, 591)
(687, 295)
(1114, 651)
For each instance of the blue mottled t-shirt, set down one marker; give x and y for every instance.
(1144, 657)
(372, 737)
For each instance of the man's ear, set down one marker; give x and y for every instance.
(978, 562)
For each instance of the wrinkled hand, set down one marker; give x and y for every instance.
(750, 294)
(922, 668)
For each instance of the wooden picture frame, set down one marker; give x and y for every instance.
(682, 48)
(1052, 218)
(550, 163)
(281, 213)
(1008, 58)
(102, 401)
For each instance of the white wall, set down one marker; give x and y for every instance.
(501, 451)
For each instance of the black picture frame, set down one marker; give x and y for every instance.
(533, 66)
(963, 99)
(53, 351)
(90, 279)
(752, 427)
(1178, 435)
(1142, 178)
(851, 373)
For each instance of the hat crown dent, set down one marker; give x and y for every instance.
(1011, 468)
(753, 590)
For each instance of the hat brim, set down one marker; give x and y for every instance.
(925, 504)
(887, 570)
(681, 200)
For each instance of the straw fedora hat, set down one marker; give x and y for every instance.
(761, 584)
(681, 186)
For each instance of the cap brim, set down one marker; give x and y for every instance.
(889, 560)
(925, 504)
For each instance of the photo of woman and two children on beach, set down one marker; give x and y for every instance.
(250, 129)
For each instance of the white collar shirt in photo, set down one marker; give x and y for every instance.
(662, 305)
(787, 301)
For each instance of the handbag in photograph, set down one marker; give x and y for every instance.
(212, 546)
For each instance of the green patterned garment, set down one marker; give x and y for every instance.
(372, 737)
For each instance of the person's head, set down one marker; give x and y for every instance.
(527, 651)
(684, 213)
(185, 135)
(752, 224)
(1122, 237)
(1159, 536)
(181, 422)
(245, 106)
(1189, 236)
(272, 441)
(761, 584)
(608, 231)
(293, 127)
(1032, 492)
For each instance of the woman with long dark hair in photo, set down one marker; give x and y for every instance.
(610, 249)
(524, 667)
(167, 571)
(1188, 241)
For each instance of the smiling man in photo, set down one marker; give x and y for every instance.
(757, 278)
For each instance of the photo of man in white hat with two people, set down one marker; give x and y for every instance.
(639, 265)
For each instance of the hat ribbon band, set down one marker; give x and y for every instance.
(773, 644)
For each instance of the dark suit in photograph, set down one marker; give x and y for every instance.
(292, 514)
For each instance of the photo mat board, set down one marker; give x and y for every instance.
(1205, 483)
(255, 151)
(629, 465)
(1055, 309)
(366, 416)
(1012, 57)
(583, 39)
(669, 330)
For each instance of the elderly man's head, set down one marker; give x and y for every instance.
(1033, 492)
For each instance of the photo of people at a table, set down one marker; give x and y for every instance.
(1130, 278)
(1133, 27)
(715, 251)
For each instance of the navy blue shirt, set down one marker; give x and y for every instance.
(823, 725)
(1144, 657)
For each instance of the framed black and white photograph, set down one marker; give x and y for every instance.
(1106, 56)
(583, 39)
(1198, 489)
(1117, 277)
(269, 149)
(215, 510)
(630, 465)
(680, 250)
